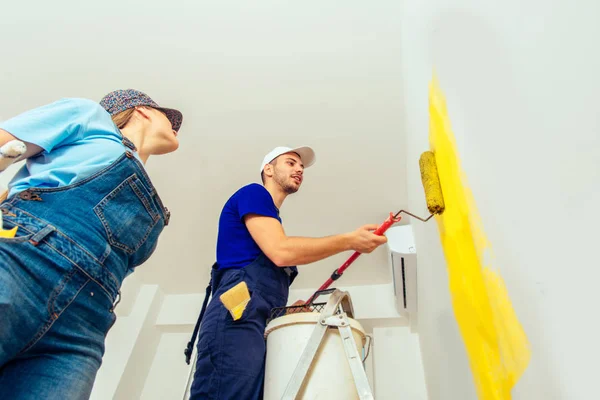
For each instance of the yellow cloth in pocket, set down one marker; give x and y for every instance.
(236, 299)
(8, 233)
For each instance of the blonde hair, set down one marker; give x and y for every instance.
(121, 119)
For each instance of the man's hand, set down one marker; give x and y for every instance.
(363, 240)
(299, 310)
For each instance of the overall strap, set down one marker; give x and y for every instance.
(190, 346)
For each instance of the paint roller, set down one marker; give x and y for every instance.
(435, 204)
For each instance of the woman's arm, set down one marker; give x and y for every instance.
(50, 126)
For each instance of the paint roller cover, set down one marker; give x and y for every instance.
(431, 183)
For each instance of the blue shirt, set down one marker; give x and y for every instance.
(235, 246)
(78, 138)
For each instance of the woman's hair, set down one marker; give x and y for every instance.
(121, 119)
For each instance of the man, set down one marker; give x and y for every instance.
(253, 247)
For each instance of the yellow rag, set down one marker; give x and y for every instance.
(8, 233)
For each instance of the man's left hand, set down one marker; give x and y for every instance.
(300, 303)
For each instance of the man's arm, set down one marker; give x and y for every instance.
(268, 233)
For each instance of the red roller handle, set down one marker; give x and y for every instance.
(391, 220)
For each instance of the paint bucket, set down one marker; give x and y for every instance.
(330, 376)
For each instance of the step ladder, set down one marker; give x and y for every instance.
(336, 314)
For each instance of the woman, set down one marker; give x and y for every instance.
(86, 214)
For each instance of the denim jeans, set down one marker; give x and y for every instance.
(60, 276)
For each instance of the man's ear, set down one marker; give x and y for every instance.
(268, 170)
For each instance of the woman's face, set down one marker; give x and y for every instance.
(160, 136)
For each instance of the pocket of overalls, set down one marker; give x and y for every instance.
(128, 215)
(242, 346)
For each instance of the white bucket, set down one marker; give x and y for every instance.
(330, 376)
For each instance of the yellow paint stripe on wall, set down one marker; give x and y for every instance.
(496, 344)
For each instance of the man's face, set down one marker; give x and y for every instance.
(288, 172)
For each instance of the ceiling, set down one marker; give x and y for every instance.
(247, 78)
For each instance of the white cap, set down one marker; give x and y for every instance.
(307, 155)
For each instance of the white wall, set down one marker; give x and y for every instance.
(131, 344)
(169, 373)
(248, 76)
(398, 370)
(521, 81)
(7, 175)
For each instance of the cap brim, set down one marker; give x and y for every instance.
(175, 116)
(307, 155)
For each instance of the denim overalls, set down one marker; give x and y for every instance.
(231, 354)
(60, 277)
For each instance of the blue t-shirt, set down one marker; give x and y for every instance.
(78, 138)
(235, 246)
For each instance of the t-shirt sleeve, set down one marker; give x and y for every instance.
(255, 199)
(52, 125)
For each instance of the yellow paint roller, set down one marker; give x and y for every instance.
(435, 205)
(431, 183)
(432, 187)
